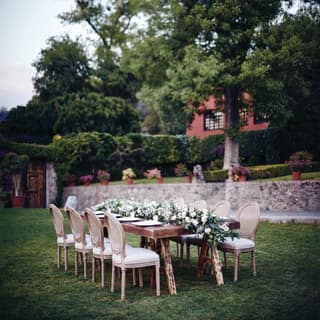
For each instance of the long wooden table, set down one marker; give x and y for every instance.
(163, 233)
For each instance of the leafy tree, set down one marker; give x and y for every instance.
(286, 68)
(94, 112)
(62, 68)
(206, 46)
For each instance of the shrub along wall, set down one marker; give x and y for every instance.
(85, 152)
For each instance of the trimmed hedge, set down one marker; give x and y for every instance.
(268, 171)
(215, 175)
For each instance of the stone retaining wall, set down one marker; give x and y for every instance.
(273, 196)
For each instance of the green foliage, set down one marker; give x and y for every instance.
(268, 171)
(34, 151)
(94, 112)
(215, 175)
(61, 68)
(208, 144)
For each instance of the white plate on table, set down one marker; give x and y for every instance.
(128, 219)
(99, 213)
(147, 223)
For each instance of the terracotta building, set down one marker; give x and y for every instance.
(211, 120)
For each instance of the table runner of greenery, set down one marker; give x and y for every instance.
(202, 222)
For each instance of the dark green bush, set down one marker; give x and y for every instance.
(268, 171)
(215, 175)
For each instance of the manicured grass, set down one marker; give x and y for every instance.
(147, 181)
(286, 287)
(304, 176)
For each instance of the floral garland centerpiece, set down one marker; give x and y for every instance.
(203, 222)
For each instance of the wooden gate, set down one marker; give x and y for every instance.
(36, 184)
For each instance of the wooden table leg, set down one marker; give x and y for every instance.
(202, 258)
(165, 248)
(214, 261)
(216, 265)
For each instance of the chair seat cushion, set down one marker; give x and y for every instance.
(106, 252)
(68, 240)
(80, 245)
(137, 256)
(236, 243)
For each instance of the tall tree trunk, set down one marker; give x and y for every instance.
(231, 143)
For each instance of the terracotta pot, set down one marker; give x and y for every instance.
(104, 182)
(188, 179)
(87, 183)
(243, 178)
(17, 201)
(129, 181)
(296, 175)
(160, 180)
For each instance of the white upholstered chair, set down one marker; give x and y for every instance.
(221, 209)
(129, 258)
(249, 216)
(82, 243)
(101, 248)
(63, 240)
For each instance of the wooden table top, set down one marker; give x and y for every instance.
(155, 232)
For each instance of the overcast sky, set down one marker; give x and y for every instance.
(25, 26)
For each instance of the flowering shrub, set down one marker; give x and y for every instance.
(299, 161)
(153, 173)
(103, 175)
(181, 170)
(86, 179)
(203, 222)
(128, 174)
(238, 171)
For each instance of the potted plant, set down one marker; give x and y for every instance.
(103, 176)
(69, 179)
(128, 175)
(86, 180)
(15, 165)
(298, 162)
(154, 174)
(181, 170)
(240, 173)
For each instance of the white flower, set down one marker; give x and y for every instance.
(204, 218)
(173, 218)
(207, 230)
(194, 222)
(224, 227)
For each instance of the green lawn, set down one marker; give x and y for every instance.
(286, 287)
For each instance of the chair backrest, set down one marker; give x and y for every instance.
(77, 226)
(58, 221)
(116, 235)
(200, 204)
(249, 216)
(222, 208)
(179, 203)
(95, 229)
